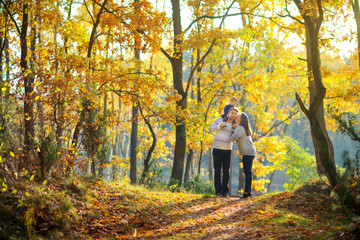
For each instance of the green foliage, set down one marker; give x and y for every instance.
(48, 153)
(74, 184)
(7, 110)
(11, 218)
(199, 186)
(154, 179)
(94, 138)
(30, 220)
(300, 165)
(173, 185)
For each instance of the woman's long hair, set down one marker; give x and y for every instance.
(244, 121)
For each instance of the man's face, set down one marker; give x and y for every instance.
(232, 114)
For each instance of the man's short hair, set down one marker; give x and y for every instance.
(234, 108)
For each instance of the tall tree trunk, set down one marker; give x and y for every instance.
(133, 143)
(135, 117)
(356, 10)
(181, 104)
(190, 150)
(29, 131)
(199, 69)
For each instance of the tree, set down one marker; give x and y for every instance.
(176, 60)
(356, 9)
(312, 13)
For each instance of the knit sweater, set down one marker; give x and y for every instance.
(244, 142)
(222, 135)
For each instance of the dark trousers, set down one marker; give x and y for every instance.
(247, 165)
(221, 170)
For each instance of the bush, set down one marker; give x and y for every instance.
(198, 186)
(48, 153)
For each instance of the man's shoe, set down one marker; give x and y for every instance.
(218, 194)
(246, 195)
(224, 194)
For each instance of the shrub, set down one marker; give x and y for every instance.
(199, 186)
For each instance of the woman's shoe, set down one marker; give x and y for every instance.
(246, 195)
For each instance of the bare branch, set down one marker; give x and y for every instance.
(279, 123)
(198, 64)
(209, 17)
(289, 15)
(166, 54)
(301, 104)
(12, 18)
(88, 10)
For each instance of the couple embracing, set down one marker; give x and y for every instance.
(232, 126)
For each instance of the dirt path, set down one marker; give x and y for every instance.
(139, 215)
(100, 210)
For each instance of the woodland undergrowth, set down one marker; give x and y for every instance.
(79, 208)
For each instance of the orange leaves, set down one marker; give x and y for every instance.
(99, 210)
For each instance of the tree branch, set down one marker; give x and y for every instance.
(198, 64)
(208, 51)
(301, 104)
(12, 18)
(289, 15)
(88, 10)
(279, 123)
(166, 54)
(321, 16)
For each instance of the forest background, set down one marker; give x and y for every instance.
(126, 90)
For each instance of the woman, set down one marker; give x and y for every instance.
(242, 136)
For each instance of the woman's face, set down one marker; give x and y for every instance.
(238, 118)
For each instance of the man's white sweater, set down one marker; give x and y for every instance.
(222, 135)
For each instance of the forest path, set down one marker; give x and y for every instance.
(141, 214)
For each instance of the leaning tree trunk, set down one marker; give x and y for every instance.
(147, 162)
(324, 150)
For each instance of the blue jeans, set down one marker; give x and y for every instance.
(247, 165)
(222, 160)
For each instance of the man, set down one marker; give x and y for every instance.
(222, 147)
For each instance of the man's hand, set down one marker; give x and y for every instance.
(221, 125)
